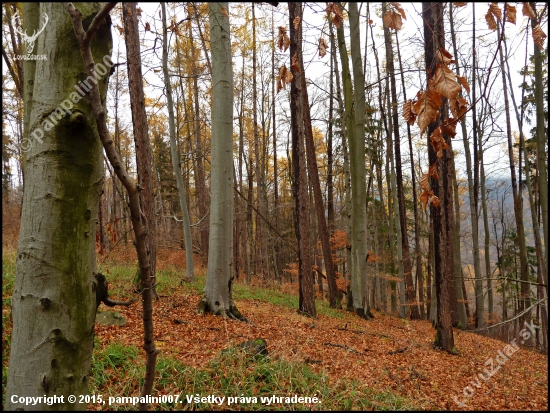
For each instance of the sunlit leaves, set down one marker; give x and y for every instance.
(460, 3)
(334, 14)
(510, 13)
(527, 10)
(322, 47)
(539, 36)
(283, 41)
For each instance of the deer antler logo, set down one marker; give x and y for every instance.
(28, 40)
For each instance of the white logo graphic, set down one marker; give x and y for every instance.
(28, 40)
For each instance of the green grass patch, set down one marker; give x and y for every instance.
(253, 383)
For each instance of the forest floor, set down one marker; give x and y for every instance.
(386, 363)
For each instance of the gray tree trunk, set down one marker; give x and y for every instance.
(176, 156)
(356, 136)
(54, 300)
(218, 297)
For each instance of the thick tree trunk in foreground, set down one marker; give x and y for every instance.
(218, 297)
(54, 300)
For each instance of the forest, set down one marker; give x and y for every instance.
(275, 206)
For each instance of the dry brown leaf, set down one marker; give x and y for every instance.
(425, 197)
(296, 22)
(460, 4)
(510, 13)
(444, 56)
(393, 20)
(444, 82)
(147, 27)
(399, 9)
(458, 106)
(295, 66)
(491, 21)
(462, 80)
(432, 171)
(449, 128)
(322, 47)
(225, 12)
(427, 108)
(528, 11)
(425, 182)
(283, 41)
(283, 78)
(539, 36)
(495, 10)
(438, 142)
(434, 200)
(120, 29)
(139, 10)
(408, 113)
(333, 8)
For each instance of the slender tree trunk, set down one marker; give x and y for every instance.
(276, 244)
(313, 173)
(524, 302)
(200, 179)
(407, 264)
(176, 155)
(542, 140)
(144, 158)
(307, 293)
(355, 115)
(54, 300)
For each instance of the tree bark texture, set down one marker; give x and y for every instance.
(307, 292)
(54, 301)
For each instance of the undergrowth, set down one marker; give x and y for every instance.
(118, 370)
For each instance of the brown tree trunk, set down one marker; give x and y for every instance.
(407, 264)
(307, 293)
(144, 160)
(442, 215)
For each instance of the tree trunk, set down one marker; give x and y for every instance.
(405, 250)
(442, 215)
(307, 293)
(524, 302)
(176, 155)
(200, 179)
(355, 126)
(144, 159)
(218, 291)
(542, 140)
(54, 300)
